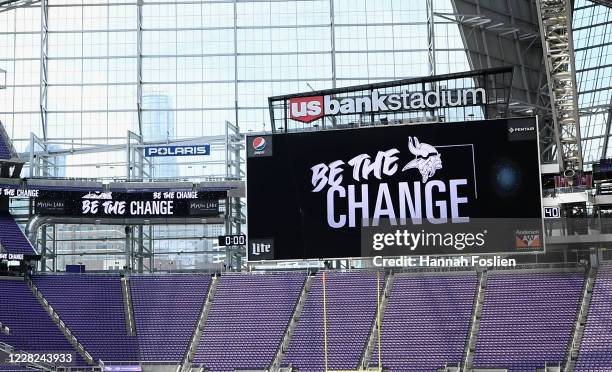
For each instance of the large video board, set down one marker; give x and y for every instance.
(433, 189)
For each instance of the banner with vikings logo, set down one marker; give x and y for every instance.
(322, 194)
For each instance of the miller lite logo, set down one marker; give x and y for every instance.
(261, 249)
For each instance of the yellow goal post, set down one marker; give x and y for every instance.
(378, 325)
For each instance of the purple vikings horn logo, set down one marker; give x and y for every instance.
(427, 159)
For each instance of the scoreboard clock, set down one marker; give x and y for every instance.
(227, 240)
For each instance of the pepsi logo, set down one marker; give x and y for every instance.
(259, 143)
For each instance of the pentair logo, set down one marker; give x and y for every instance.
(259, 144)
(521, 129)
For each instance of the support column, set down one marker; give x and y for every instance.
(431, 40)
(128, 250)
(44, 53)
(42, 248)
(236, 65)
(140, 242)
(139, 65)
(333, 41)
(555, 18)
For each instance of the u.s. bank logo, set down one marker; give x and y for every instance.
(259, 144)
(261, 249)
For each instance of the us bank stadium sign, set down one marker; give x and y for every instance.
(307, 109)
(482, 94)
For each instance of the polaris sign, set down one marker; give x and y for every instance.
(183, 150)
(307, 109)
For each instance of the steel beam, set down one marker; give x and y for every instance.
(44, 60)
(139, 65)
(431, 39)
(604, 151)
(555, 18)
(14, 4)
(607, 3)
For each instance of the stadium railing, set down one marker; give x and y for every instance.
(60, 323)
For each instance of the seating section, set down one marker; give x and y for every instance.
(31, 328)
(527, 319)
(11, 236)
(5, 152)
(595, 353)
(426, 322)
(351, 308)
(248, 319)
(92, 308)
(166, 311)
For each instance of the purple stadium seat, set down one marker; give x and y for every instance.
(5, 153)
(31, 328)
(596, 348)
(351, 309)
(11, 236)
(527, 319)
(426, 322)
(166, 310)
(248, 319)
(92, 308)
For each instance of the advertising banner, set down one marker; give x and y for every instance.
(122, 204)
(182, 150)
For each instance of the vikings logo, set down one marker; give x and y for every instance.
(427, 159)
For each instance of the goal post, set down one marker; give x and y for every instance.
(378, 325)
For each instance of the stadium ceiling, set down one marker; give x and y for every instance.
(607, 3)
(516, 33)
(13, 4)
(506, 33)
(592, 31)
